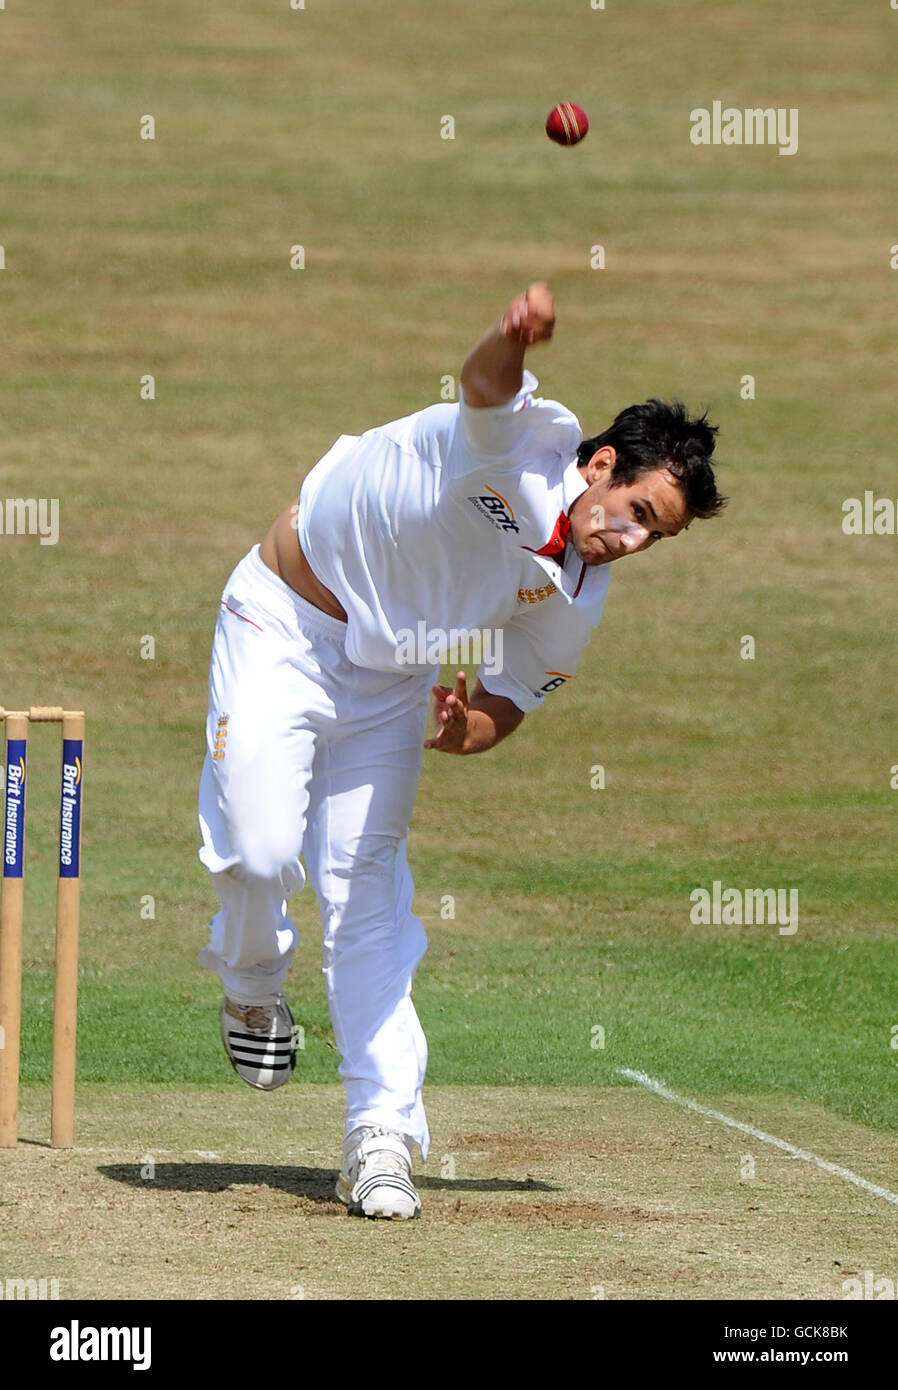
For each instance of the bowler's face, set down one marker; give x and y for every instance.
(610, 522)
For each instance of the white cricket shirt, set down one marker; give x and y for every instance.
(428, 524)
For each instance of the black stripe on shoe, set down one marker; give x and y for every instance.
(261, 1066)
(399, 1184)
(260, 1037)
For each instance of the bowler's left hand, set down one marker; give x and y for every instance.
(451, 715)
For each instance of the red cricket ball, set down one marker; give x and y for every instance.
(566, 123)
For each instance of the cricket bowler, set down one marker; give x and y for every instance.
(493, 514)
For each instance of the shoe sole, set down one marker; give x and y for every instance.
(287, 1067)
(344, 1195)
(356, 1209)
(384, 1215)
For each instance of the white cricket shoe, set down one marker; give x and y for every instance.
(376, 1176)
(260, 1040)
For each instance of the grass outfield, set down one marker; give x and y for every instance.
(524, 1013)
(572, 910)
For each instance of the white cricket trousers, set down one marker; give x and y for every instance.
(308, 755)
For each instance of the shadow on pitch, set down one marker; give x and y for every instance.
(315, 1184)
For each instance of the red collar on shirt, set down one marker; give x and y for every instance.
(554, 547)
(557, 541)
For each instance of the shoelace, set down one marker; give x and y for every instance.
(258, 1018)
(384, 1160)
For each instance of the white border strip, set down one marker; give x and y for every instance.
(660, 1089)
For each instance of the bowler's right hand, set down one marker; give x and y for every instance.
(530, 317)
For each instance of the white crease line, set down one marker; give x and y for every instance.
(660, 1089)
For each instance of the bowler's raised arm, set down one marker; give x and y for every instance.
(493, 369)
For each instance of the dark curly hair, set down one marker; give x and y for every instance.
(661, 434)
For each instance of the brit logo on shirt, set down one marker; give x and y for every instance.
(557, 678)
(496, 509)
